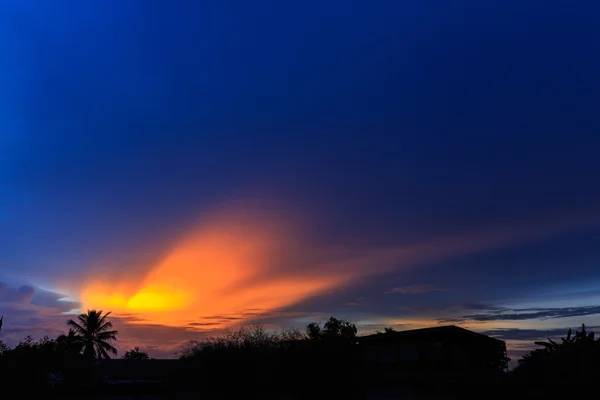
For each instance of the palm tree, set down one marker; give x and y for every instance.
(70, 343)
(95, 332)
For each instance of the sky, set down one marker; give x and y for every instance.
(193, 166)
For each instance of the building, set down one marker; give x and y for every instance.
(445, 353)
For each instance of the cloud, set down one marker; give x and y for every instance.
(159, 341)
(228, 269)
(26, 294)
(30, 311)
(514, 314)
(240, 257)
(25, 319)
(55, 300)
(23, 294)
(415, 289)
(533, 335)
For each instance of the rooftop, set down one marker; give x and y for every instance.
(447, 331)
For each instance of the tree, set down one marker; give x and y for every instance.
(386, 331)
(313, 331)
(333, 329)
(95, 332)
(572, 360)
(136, 354)
(339, 329)
(70, 343)
(3, 346)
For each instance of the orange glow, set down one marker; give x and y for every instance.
(222, 273)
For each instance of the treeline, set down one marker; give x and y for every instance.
(323, 362)
(63, 362)
(37, 365)
(574, 359)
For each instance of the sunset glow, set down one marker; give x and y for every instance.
(222, 273)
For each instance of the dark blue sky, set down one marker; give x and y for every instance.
(464, 128)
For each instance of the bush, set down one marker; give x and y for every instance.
(573, 360)
(252, 360)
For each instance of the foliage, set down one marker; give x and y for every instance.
(95, 333)
(572, 360)
(246, 337)
(136, 354)
(29, 363)
(313, 331)
(386, 331)
(333, 330)
(70, 343)
(260, 361)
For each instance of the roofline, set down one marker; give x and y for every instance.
(433, 328)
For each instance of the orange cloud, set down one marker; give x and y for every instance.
(218, 271)
(233, 267)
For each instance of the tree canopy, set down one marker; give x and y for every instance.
(95, 333)
(136, 354)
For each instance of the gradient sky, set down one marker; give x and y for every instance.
(194, 165)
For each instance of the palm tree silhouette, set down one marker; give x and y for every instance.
(95, 333)
(70, 343)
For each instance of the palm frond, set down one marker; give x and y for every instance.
(105, 346)
(76, 327)
(104, 327)
(102, 353)
(102, 318)
(108, 335)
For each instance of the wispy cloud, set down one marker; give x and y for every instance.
(23, 294)
(26, 294)
(516, 314)
(414, 289)
(225, 271)
(533, 334)
(25, 319)
(236, 260)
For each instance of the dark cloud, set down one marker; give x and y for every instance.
(159, 340)
(415, 289)
(23, 294)
(29, 295)
(55, 300)
(204, 324)
(508, 314)
(249, 316)
(481, 306)
(533, 335)
(26, 319)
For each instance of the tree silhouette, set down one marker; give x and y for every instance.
(386, 331)
(3, 347)
(313, 331)
(339, 329)
(95, 332)
(572, 360)
(333, 329)
(70, 343)
(136, 354)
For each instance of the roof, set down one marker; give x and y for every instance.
(444, 332)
